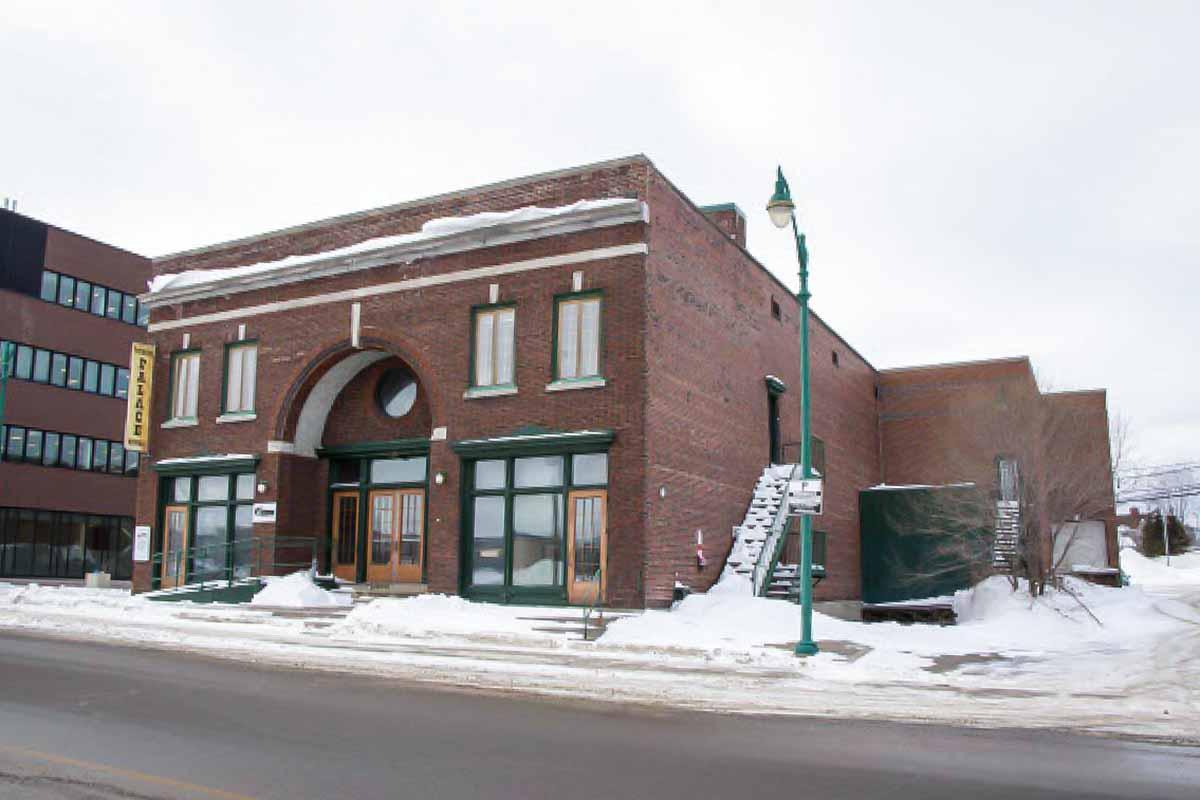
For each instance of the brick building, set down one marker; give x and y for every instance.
(68, 313)
(472, 395)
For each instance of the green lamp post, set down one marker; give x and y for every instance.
(782, 211)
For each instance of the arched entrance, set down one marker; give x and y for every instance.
(362, 420)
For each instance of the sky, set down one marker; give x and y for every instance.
(974, 181)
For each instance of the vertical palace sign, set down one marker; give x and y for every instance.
(141, 382)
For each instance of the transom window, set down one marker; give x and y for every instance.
(494, 349)
(185, 385)
(577, 354)
(241, 363)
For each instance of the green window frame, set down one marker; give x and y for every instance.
(494, 346)
(240, 363)
(234, 555)
(511, 493)
(572, 356)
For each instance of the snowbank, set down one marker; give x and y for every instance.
(298, 591)
(439, 615)
(1184, 569)
(433, 229)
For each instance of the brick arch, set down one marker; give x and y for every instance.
(305, 409)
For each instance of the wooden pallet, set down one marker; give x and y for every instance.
(910, 613)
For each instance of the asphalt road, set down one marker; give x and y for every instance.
(82, 720)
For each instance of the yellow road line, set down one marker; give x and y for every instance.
(128, 774)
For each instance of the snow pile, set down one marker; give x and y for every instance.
(298, 591)
(67, 597)
(1184, 569)
(433, 229)
(993, 620)
(440, 615)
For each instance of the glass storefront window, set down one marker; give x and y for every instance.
(212, 487)
(212, 533)
(489, 474)
(488, 556)
(181, 490)
(398, 470)
(589, 469)
(538, 471)
(537, 535)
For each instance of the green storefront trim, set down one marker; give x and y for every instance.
(535, 444)
(393, 448)
(207, 466)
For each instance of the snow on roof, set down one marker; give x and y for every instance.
(433, 229)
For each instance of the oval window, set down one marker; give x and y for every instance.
(397, 392)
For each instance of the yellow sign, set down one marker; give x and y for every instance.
(137, 413)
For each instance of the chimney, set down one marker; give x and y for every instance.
(729, 218)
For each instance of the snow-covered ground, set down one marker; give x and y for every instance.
(1113, 660)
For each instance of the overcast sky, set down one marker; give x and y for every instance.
(975, 182)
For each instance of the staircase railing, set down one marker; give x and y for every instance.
(241, 559)
(768, 556)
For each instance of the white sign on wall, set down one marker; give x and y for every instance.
(263, 513)
(804, 497)
(141, 543)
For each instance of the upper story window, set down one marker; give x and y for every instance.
(39, 365)
(494, 347)
(185, 385)
(241, 363)
(577, 354)
(90, 298)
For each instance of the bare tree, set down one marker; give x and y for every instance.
(1036, 462)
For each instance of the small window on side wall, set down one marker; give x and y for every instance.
(578, 352)
(775, 310)
(494, 347)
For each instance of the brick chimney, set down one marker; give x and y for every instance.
(730, 219)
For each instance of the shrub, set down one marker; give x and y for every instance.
(1152, 536)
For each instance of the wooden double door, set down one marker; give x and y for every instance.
(394, 550)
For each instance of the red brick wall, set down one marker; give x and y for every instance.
(921, 412)
(430, 330)
(356, 416)
(711, 342)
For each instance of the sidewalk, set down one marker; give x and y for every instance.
(1007, 665)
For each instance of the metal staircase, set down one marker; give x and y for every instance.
(758, 543)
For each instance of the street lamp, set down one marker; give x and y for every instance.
(782, 211)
